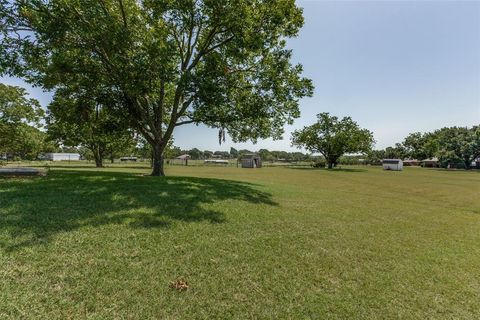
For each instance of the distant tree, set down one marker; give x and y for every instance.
(279, 155)
(458, 145)
(20, 118)
(351, 160)
(77, 118)
(333, 138)
(233, 153)
(374, 157)
(266, 155)
(299, 156)
(222, 154)
(195, 154)
(420, 145)
(243, 152)
(397, 152)
(166, 63)
(173, 151)
(207, 154)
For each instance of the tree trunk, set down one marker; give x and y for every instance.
(98, 156)
(157, 164)
(98, 161)
(330, 165)
(467, 163)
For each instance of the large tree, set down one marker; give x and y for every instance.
(458, 145)
(420, 145)
(20, 118)
(165, 62)
(333, 137)
(77, 118)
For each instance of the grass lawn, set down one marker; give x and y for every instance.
(251, 243)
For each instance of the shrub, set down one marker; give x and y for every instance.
(319, 163)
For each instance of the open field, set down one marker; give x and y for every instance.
(251, 243)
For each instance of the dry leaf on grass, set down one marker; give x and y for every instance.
(179, 285)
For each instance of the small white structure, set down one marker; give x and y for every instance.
(392, 164)
(216, 161)
(62, 156)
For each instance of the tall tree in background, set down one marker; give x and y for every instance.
(333, 138)
(166, 63)
(420, 145)
(458, 145)
(77, 118)
(20, 119)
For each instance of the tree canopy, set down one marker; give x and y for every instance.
(20, 118)
(81, 119)
(458, 145)
(333, 137)
(165, 63)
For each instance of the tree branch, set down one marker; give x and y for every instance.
(122, 9)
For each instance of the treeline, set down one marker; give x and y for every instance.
(265, 154)
(454, 147)
(96, 133)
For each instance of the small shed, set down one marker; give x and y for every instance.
(62, 156)
(430, 163)
(251, 161)
(392, 164)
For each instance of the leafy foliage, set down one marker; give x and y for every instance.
(166, 63)
(455, 147)
(333, 137)
(76, 119)
(19, 118)
(458, 145)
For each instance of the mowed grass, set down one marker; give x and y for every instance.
(358, 243)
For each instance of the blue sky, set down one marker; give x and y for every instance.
(394, 66)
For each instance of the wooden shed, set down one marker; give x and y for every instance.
(251, 161)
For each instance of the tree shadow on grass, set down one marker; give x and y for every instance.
(92, 166)
(33, 210)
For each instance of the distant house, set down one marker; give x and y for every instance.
(411, 162)
(62, 156)
(430, 163)
(392, 164)
(251, 161)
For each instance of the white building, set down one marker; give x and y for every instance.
(62, 156)
(392, 164)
